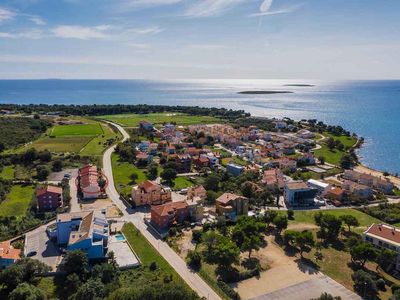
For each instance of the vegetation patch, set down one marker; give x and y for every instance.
(7, 172)
(77, 130)
(17, 201)
(132, 120)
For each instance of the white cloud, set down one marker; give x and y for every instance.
(208, 8)
(206, 46)
(6, 14)
(81, 32)
(147, 30)
(265, 9)
(33, 34)
(37, 20)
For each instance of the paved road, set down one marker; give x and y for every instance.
(191, 278)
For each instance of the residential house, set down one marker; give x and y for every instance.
(146, 125)
(273, 178)
(143, 159)
(374, 182)
(357, 189)
(197, 191)
(150, 193)
(183, 163)
(234, 169)
(88, 182)
(143, 146)
(305, 134)
(201, 162)
(49, 198)
(169, 214)
(283, 163)
(87, 231)
(298, 193)
(384, 236)
(231, 205)
(336, 195)
(8, 254)
(306, 159)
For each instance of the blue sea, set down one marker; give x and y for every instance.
(369, 108)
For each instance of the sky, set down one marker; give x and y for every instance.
(189, 39)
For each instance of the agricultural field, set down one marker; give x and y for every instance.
(132, 120)
(76, 130)
(17, 201)
(88, 139)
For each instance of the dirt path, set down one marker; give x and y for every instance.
(284, 271)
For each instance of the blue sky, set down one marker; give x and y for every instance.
(166, 39)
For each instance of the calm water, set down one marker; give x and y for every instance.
(369, 108)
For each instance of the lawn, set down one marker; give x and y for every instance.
(17, 201)
(182, 183)
(331, 156)
(77, 130)
(132, 120)
(308, 216)
(347, 141)
(7, 173)
(122, 172)
(146, 252)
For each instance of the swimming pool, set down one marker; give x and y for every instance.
(119, 237)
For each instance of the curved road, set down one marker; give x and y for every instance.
(191, 278)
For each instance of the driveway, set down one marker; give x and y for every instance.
(47, 251)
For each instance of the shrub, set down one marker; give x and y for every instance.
(193, 259)
(230, 292)
(394, 288)
(290, 214)
(153, 266)
(380, 284)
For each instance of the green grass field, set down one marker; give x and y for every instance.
(122, 172)
(7, 173)
(146, 251)
(348, 141)
(62, 144)
(17, 201)
(132, 120)
(308, 216)
(77, 130)
(331, 156)
(181, 183)
(97, 145)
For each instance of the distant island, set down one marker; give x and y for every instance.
(299, 85)
(264, 92)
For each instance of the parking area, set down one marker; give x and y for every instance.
(38, 246)
(311, 289)
(124, 255)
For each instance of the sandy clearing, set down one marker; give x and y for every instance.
(284, 272)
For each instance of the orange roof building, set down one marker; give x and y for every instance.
(8, 254)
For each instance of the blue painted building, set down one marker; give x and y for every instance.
(234, 170)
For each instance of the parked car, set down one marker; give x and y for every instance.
(31, 253)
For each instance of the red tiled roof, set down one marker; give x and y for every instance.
(336, 191)
(384, 231)
(9, 252)
(165, 209)
(226, 197)
(50, 188)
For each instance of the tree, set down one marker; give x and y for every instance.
(346, 161)
(102, 183)
(330, 226)
(197, 236)
(330, 143)
(290, 214)
(304, 241)
(385, 258)
(280, 222)
(106, 273)
(326, 296)
(247, 189)
(42, 173)
(364, 284)
(2, 147)
(193, 259)
(45, 156)
(363, 252)
(210, 239)
(211, 197)
(91, 290)
(152, 172)
(212, 182)
(226, 252)
(248, 234)
(269, 216)
(57, 165)
(350, 220)
(321, 159)
(168, 175)
(76, 262)
(26, 291)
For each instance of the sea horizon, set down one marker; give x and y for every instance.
(366, 107)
